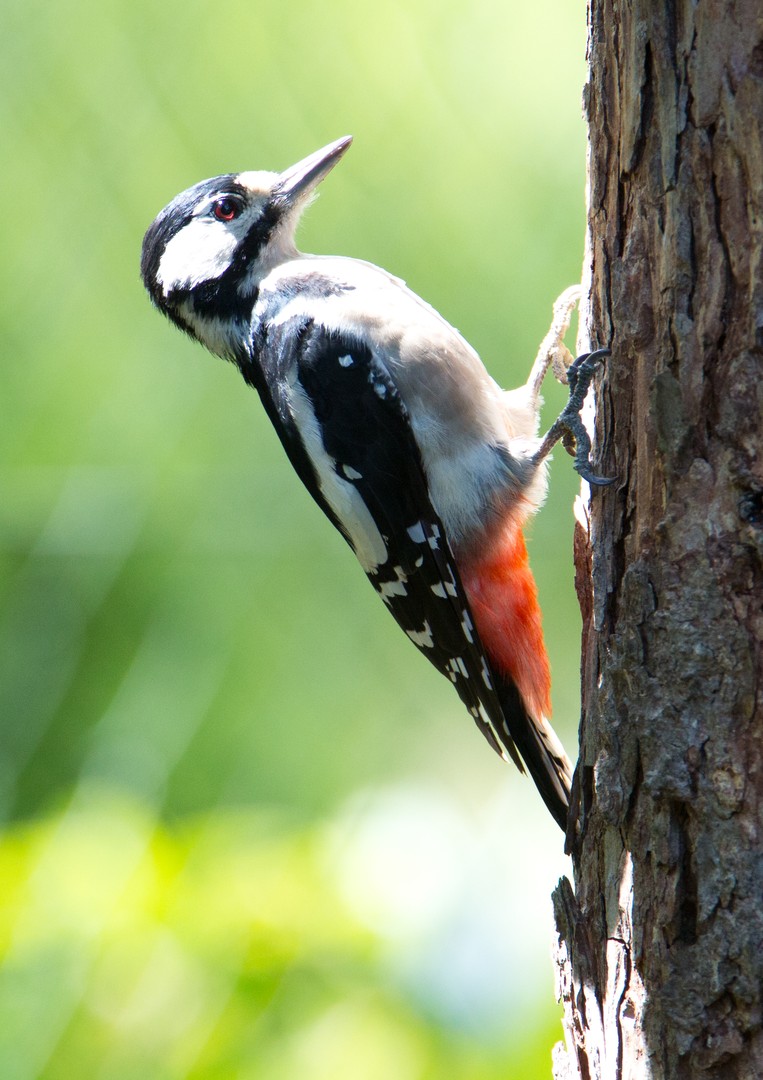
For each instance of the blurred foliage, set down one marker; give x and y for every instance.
(195, 678)
(219, 948)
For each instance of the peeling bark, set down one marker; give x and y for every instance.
(661, 941)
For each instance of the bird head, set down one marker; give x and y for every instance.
(206, 252)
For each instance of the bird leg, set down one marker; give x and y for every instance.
(577, 374)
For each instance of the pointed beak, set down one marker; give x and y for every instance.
(301, 179)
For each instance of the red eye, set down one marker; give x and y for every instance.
(226, 209)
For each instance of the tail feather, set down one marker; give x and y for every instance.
(540, 750)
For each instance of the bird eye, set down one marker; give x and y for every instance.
(227, 208)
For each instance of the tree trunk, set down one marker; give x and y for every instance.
(661, 942)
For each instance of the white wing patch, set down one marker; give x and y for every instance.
(342, 496)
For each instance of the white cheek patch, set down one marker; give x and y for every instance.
(201, 251)
(343, 498)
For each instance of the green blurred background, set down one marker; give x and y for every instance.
(247, 831)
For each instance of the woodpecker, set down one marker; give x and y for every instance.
(427, 468)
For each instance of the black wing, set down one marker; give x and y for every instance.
(367, 437)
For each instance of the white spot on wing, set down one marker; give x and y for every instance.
(444, 588)
(492, 734)
(350, 473)
(416, 533)
(434, 539)
(345, 361)
(467, 626)
(423, 638)
(394, 588)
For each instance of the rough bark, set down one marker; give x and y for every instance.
(661, 941)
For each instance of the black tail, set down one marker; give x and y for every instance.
(540, 750)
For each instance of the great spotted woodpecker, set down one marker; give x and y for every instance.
(427, 468)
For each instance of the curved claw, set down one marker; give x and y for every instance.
(597, 481)
(584, 367)
(581, 371)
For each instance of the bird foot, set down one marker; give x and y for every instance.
(569, 427)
